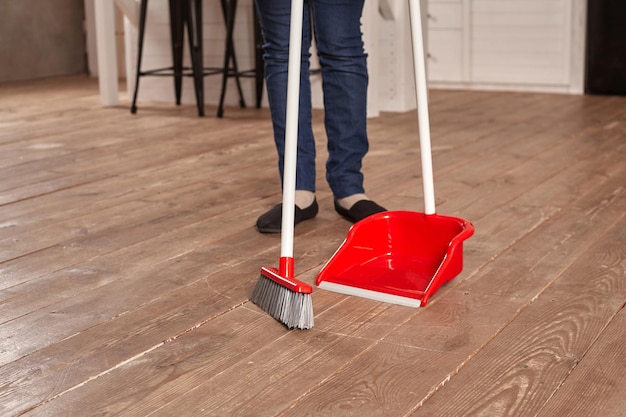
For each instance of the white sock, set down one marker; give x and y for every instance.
(304, 198)
(348, 202)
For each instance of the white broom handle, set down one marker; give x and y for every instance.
(291, 129)
(421, 91)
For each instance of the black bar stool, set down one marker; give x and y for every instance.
(182, 13)
(230, 68)
(188, 13)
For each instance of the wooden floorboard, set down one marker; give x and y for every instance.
(522, 368)
(600, 373)
(128, 254)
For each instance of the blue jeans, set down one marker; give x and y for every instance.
(337, 30)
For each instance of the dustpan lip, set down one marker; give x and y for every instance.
(386, 297)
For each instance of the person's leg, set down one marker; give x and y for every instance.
(275, 16)
(337, 28)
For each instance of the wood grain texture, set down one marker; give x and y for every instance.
(128, 253)
(596, 385)
(519, 371)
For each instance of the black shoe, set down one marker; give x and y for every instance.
(359, 210)
(271, 221)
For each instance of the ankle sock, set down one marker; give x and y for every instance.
(349, 201)
(304, 198)
(359, 210)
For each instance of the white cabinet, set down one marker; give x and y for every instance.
(507, 44)
(445, 40)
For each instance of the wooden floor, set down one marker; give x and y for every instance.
(128, 254)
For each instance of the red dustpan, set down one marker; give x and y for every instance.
(402, 257)
(399, 257)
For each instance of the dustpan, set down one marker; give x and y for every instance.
(402, 257)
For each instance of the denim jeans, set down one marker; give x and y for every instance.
(337, 30)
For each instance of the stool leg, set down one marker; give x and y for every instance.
(142, 28)
(177, 34)
(233, 57)
(229, 8)
(220, 107)
(259, 63)
(194, 30)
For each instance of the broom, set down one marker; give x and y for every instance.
(277, 291)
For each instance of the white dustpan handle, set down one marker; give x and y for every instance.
(421, 91)
(291, 129)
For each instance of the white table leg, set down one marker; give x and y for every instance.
(107, 52)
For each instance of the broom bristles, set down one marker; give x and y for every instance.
(294, 309)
